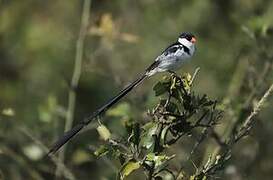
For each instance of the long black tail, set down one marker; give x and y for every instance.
(71, 133)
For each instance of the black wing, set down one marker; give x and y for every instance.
(172, 48)
(169, 50)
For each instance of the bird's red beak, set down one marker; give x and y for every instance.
(193, 40)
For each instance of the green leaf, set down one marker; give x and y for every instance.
(128, 168)
(186, 82)
(161, 88)
(135, 135)
(101, 151)
(128, 123)
(172, 107)
(160, 161)
(163, 135)
(147, 140)
(165, 175)
(104, 132)
(176, 94)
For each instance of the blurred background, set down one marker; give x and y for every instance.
(39, 41)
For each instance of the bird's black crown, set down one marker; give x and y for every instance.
(187, 35)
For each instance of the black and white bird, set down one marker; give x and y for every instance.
(170, 60)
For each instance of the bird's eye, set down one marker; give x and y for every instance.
(188, 38)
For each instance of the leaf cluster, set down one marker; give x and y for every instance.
(178, 113)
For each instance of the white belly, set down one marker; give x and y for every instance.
(173, 62)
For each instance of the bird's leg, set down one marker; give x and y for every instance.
(173, 74)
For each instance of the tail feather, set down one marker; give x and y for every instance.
(65, 138)
(75, 130)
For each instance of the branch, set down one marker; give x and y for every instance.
(245, 128)
(194, 75)
(76, 76)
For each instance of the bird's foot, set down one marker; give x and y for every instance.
(173, 74)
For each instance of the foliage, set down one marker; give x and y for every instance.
(178, 113)
(39, 41)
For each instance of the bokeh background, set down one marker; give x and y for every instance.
(38, 45)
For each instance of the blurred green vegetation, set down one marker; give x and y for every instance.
(37, 53)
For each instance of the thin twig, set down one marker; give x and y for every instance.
(249, 120)
(194, 75)
(76, 75)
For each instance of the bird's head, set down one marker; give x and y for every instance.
(187, 39)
